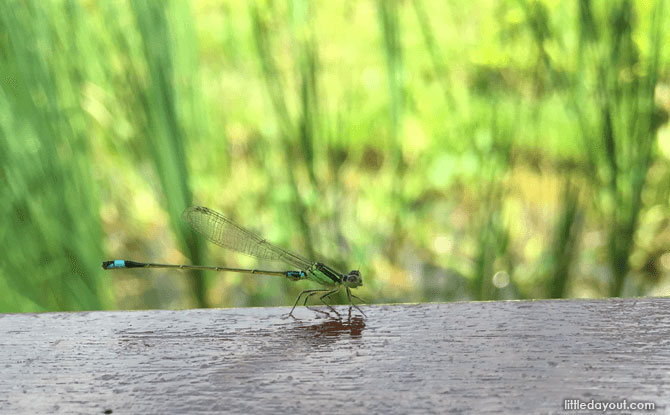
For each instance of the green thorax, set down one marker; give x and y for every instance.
(323, 274)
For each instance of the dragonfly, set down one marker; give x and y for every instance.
(222, 231)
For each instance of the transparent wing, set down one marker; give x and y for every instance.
(222, 231)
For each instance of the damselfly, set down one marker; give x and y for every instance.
(222, 231)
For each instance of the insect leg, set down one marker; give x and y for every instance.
(298, 299)
(351, 303)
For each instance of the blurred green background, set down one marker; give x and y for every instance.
(450, 150)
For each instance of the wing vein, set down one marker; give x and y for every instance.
(220, 230)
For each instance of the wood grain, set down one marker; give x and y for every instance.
(478, 357)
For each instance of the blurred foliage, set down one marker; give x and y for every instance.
(450, 150)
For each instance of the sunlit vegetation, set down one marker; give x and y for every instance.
(449, 150)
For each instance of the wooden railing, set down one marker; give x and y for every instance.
(521, 357)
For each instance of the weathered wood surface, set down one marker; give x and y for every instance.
(492, 357)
